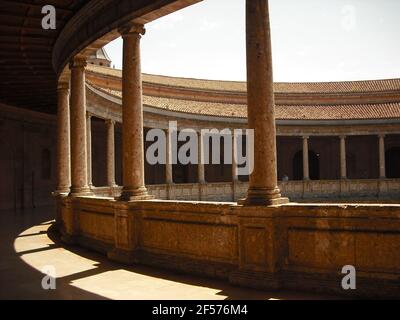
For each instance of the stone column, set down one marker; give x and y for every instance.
(79, 171)
(89, 148)
(168, 166)
(235, 177)
(382, 165)
(306, 168)
(263, 184)
(200, 166)
(63, 140)
(110, 153)
(343, 167)
(132, 116)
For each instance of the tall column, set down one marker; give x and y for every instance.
(306, 168)
(343, 167)
(168, 166)
(200, 166)
(78, 129)
(235, 176)
(63, 140)
(263, 184)
(382, 165)
(132, 116)
(89, 148)
(110, 153)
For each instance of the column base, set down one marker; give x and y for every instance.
(68, 239)
(121, 256)
(256, 279)
(81, 192)
(263, 197)
(139, 194)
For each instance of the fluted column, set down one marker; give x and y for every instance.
(89, 148)
(79, 179)
(132, 116)
(63, 140)
(382, 165)
(263, 184)
(168, 165)
(306, 168)
(110, 153)
(343, 167)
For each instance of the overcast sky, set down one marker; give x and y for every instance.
(312, 40)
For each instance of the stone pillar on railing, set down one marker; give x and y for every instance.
(132, 116)
(343, 167)
(89, 148)
(110, 157)
(79, 177)
(382, 165)
(344, 184)
(263, 182)
(235, 177)
(63, 139)
(169, 176)
(306, 169)
(382, 186)
(200, 165)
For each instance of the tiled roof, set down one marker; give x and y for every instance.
(279, 87)
(283, 112)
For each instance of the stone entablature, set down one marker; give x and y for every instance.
(336, 93)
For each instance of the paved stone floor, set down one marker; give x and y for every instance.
(25, 249)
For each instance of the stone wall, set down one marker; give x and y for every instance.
(290, 246)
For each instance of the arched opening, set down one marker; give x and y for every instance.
(392, 162)
(313, 161)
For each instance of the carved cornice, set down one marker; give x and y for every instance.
(78, 62)
(132, 29)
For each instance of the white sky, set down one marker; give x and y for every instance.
(313, 40)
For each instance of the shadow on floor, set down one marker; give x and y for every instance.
(22, 281)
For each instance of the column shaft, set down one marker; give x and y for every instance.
(110, 153)
(168, 166)
(263, 184)
(235, 176)
(78, 129)
(306, 168)
(63, 139)
(343, 167)
(89, 148)
(132, 116)
(200, 166)
(382, 164)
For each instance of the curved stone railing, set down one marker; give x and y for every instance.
(301, 247)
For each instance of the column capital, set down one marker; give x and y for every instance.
(110, 122)
(63, 86)
(382, 135)
(78, 62)
(342, 137)
(88, 115)
(132, 29)
(306, 137)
